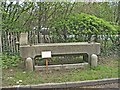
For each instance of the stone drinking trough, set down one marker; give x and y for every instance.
(84, 48)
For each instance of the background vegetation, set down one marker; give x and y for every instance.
(60, 22)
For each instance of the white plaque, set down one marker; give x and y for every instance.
(46, 54)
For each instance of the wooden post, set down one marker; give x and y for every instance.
(46, 61)
(46, 55)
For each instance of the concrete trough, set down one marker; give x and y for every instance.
(64, 66)
(58, 49)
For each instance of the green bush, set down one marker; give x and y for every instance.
(10, 61)
(81, 26)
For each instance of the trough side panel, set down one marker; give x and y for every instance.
(32, 51)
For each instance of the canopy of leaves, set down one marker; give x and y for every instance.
(83, 23)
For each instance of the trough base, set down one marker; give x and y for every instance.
(64, 66)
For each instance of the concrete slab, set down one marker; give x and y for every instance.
(64, 66)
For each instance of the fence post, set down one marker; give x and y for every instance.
(23, 38)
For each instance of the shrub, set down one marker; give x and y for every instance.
(10, 61)
(81, 26)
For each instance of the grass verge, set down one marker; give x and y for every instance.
(17, 76)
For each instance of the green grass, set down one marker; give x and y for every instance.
(108, 69)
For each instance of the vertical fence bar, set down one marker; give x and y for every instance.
(1, 39)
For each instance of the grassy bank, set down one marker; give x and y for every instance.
(16, 76)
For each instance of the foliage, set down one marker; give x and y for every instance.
(77, 24)
(105, 10)
(10, 61)
(11, 15)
